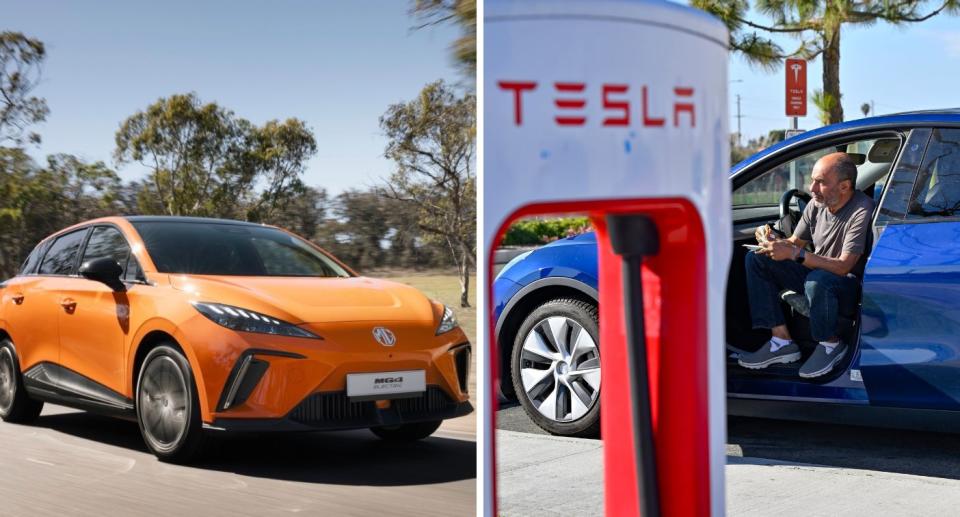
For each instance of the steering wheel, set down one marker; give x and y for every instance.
(794, 216)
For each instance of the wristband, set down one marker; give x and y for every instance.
(802, 256)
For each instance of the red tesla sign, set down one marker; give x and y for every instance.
(796, 88)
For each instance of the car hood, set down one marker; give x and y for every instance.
(312, 300)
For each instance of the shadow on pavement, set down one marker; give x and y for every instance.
(888, 450)
(339, 458)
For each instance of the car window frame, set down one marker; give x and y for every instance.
(41, 249)
(757, 169)
(48, 243)
(906, 172)
(130, 254)
(53, 239)
(911, 218)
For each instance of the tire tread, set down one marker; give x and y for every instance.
(586, 429)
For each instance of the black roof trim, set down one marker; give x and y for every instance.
(183, 219)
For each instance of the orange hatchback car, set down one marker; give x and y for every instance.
(195, 326)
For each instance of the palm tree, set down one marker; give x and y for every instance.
(816, 25)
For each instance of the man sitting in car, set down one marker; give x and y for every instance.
(837, 221)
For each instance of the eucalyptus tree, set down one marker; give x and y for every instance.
(431, 141)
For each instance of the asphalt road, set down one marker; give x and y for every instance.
(74, 463)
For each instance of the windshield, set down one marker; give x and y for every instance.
(232, 249)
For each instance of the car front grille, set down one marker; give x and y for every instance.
(337, 409)
(434, 400)
(333, 407)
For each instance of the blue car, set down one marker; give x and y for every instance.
(905, 367)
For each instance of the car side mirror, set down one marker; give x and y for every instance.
(106, 270)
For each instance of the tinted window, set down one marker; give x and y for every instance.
(897, 199)
(62, 256)
(133, 271)
(230, 249)
(106, 242)
(936, 192)
(30, 265)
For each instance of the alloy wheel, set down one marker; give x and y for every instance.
(560, 369)
(164, 402)
(8, 382)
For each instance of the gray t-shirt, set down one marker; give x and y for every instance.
(833, 234)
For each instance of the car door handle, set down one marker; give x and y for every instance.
(68, 304)
(17, 298)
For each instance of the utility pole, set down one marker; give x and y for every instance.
(739, 135)
(739, 139)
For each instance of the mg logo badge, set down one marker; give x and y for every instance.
(384, 336)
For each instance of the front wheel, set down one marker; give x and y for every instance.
(407, 432)
(15, 405)
(556, 367)
(168, 410)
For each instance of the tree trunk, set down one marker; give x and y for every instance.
(831, 74)
(464, 267)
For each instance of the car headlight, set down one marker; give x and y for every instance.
(448, 322)
(246, 320)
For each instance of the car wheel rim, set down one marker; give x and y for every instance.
(8, 384)
(560, 369)
(164, 405)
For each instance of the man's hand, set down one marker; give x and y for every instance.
(779, 250)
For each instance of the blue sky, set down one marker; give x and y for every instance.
(336, 65)
(900, 68)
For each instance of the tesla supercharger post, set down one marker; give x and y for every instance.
(618, 109)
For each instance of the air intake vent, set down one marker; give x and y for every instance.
(336, 410)
(433, 401)
(462, 360)
(333, 407)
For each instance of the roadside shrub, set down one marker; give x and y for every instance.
(540, 231)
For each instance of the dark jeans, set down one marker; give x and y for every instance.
(829, 294)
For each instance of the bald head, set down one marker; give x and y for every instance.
(829, 180)
(840, 164)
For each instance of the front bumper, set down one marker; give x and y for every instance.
(335, 411)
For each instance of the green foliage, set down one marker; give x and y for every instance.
(739, 153)
(37, 201)
(825, 104)
(20, 61)
(368, 231)
(431, 139)
(539, 231)
(462, 12)
(303, 213)
(204, 160)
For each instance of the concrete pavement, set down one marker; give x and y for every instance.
(549, 475)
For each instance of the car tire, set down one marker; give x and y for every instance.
(16, 406)
(168, 408)
(406, 432)
(571, 370)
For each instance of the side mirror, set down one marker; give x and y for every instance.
(106, 270)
